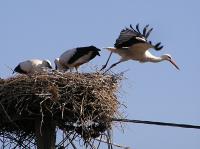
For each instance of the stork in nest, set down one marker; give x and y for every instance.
(73, 58)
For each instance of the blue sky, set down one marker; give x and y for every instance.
(44, 29)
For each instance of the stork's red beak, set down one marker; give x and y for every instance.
(174, 63)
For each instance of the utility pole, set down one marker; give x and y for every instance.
(45, 134)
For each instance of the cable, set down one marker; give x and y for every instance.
(157, 123)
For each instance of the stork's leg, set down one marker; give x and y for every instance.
(113, 65)
(104, 66)
(76, 69)
(70, 69)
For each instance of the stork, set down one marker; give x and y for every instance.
(73, 58)
(32, 66)
(133, 45)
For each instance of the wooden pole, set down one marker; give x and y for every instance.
(45, 134)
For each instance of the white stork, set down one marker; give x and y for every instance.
(133, 45)
(32, 66)
(73, 58)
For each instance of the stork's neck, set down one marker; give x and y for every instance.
(152, 58)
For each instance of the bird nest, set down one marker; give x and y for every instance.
(80, 103)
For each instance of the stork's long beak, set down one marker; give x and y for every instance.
(174, 63)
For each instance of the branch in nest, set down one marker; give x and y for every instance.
(113, 144)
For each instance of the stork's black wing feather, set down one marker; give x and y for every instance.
(128, 37)
(82, 51)
(158, 46)
(19, 70)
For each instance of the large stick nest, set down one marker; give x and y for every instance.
(83, 103)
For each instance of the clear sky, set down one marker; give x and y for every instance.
(158, 92)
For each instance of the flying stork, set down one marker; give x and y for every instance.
(32, 66)
(73, 58)
(133, 45)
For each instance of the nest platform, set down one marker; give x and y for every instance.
(82, 104)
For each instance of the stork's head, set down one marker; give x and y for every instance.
(47, 63)
(169, 58)
(95, 49)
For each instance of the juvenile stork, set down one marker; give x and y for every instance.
(133, 45)
(73, 58)
(32, 66)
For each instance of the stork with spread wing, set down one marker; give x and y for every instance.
(133, 45)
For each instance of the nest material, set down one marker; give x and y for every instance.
(82, 103)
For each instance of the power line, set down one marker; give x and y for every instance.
(157, 123)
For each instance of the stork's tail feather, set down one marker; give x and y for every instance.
(16, 69)
(13, 71)
(19, 70)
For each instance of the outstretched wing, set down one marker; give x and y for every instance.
(130, 36)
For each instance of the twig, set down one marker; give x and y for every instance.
(9, 68)
(71, 141)
(109, 141)
(99, 141)
(116, 145)
(9, 118)
(64, 139)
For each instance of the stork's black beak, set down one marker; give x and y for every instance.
(98, 54)
(174, 63)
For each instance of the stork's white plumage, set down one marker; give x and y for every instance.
(32, 66)
(73, 58)
(133, 45)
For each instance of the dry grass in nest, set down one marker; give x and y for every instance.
(79, 103)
